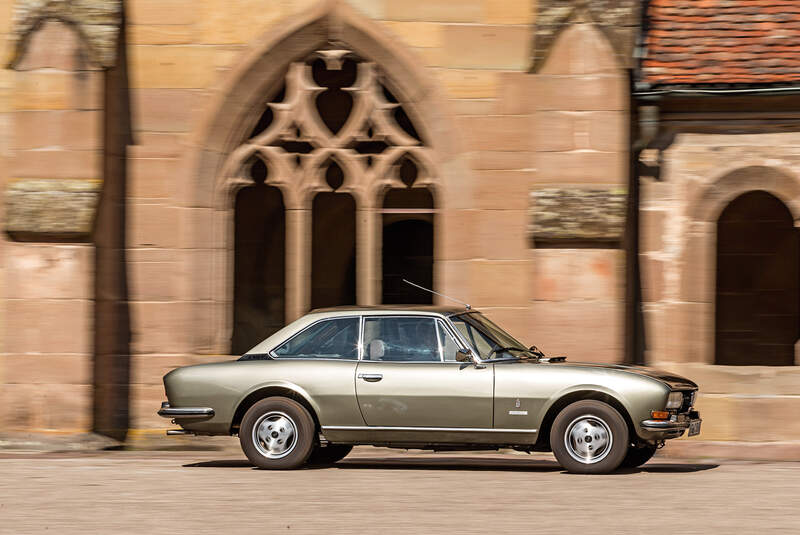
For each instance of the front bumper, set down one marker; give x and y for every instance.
(184, 412)
(671, 428)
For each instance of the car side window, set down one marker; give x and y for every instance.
(326, 339)
(447, 345)
(401, 339)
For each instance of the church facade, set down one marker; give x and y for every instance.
(613, 180)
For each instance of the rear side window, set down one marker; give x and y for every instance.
(401, 338)
(326, 339)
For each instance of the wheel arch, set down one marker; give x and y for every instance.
(266, 391)
(543, 440)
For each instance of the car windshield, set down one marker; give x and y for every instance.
(485, 337)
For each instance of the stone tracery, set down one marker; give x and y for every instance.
(299, 135)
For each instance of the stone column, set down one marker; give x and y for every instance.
(368, 262)
(298, 262)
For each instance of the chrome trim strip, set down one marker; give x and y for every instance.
(361, 348)
(439, 429)
(173, 432)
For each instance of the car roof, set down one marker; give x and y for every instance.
(436, 309)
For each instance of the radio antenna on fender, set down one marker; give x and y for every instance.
(437, 293)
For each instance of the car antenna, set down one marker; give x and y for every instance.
(437, 293)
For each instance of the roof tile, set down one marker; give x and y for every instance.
(698, 42)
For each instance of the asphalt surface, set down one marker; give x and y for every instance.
(387, 491)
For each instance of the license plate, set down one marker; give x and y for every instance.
(694, 427)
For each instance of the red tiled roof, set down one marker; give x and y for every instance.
(698, 42)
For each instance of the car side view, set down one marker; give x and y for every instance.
(439, 378)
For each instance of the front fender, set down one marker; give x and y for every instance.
(637, 398)
(584, 388)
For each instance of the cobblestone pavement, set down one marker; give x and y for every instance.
(386, 491)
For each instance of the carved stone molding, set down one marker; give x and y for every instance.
(577, 215)
(617, 19)
(41, 209)
(96, 21)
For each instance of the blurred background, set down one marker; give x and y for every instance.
(614, 180)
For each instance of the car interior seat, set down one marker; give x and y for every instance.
(376, 349)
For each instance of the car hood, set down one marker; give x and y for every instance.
(675, 382)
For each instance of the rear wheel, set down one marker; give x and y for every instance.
(638, 456)
(277, 433)
(329, 454)
(589, 437)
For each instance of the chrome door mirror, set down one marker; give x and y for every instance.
(464, 355)
(468, 355)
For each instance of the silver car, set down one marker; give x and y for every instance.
(425, 377)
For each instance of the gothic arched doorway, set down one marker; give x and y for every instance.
(757, 291)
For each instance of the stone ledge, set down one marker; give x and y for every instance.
(575, 215)
(51, 209)
(742, 451)
(56, 441)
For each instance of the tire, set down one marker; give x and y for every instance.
(589, 437)
(637, 456)
(330, 454)
(277, 433)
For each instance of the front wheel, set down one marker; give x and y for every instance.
(277, 433)
(638, 456)
(589, 437)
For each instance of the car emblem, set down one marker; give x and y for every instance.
(517, 405)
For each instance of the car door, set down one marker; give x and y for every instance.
(408, 377)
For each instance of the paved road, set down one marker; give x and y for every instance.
(386, 492)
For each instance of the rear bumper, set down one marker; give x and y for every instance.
(184, 412)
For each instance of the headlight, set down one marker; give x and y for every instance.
(675, 400)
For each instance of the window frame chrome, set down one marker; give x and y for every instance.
(412, 314)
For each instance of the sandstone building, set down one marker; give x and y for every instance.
(614, 180)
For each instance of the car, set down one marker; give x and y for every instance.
(427, 377)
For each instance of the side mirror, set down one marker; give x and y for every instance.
(464, 355)
(467, 355)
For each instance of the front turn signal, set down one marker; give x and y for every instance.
(659, 415)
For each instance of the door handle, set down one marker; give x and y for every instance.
(371, 377)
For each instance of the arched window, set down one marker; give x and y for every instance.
(349, 163)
